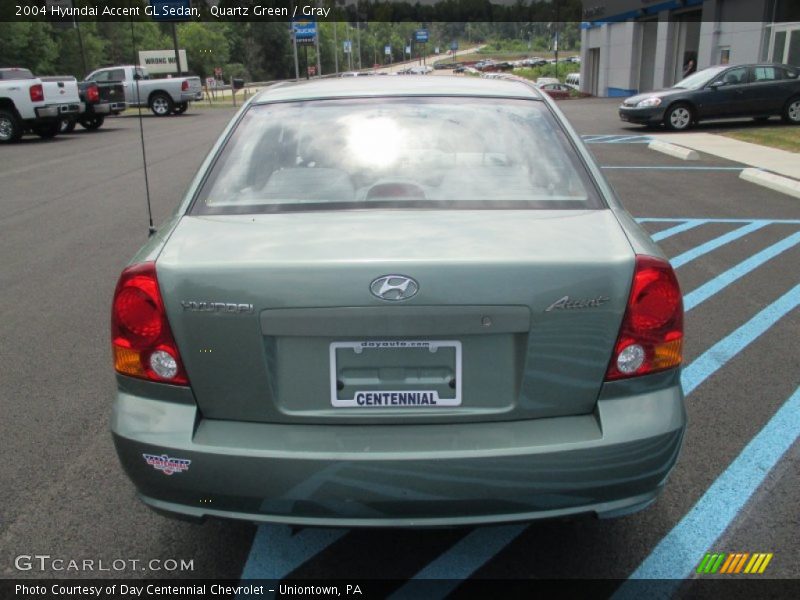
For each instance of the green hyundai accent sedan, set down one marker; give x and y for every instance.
(403, 302)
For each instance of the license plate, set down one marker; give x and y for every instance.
(623, 116)
(395, 374)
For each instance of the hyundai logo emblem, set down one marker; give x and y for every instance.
(394, 287)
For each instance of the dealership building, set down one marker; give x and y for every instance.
(633, 46)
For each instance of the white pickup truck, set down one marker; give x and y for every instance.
(163, 96)
(29, 104)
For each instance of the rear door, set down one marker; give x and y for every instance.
(767, 91)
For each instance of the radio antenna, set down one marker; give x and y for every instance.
(150, 229)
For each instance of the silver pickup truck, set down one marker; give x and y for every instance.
(163, 96)
(28, 103)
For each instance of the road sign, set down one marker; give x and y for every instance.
(312, 70)
(211, 83)
(348, 46)
(171, 10)
(421, 36)
(408, 49)
(305, 32)
(436, 50)
(387, 50)
(454, 45)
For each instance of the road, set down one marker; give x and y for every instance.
(72, 212)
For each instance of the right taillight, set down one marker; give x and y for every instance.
(37, 93)
(651, 336)
(185, 85)
(141, 337)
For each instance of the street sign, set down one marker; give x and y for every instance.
(211, 83)
(454, 45)
(348, 46)
(408, 49)
(387, 50)
(305, 32)
(421, 36)
(162, 61)
(171, 10)
(436, 50)
(312, 70)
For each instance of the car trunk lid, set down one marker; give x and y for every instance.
(515, 316)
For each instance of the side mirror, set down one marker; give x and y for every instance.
(136, 77)
(717, 84)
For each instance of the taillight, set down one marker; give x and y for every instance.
(184, 85)
(141, 338)
(37, 93)
(92, 94)
(651, 336)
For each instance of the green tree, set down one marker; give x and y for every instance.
(29, 45)
(206, 46)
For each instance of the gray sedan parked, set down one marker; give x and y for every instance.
(398, 301)
(722, 92)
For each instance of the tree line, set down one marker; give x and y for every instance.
(256, 51)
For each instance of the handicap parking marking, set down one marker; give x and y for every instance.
(617, 139)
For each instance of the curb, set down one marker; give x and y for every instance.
(673, 150)
(774, 182)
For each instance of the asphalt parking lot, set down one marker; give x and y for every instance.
(72, 212)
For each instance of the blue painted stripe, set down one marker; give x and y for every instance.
(276, 552)
(710, 245)
(705, 291)
(463, 558)
(676, 556)
(720, 353)
(680, 228)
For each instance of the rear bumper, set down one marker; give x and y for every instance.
(610, 463)
(58, 110)
(191, 96)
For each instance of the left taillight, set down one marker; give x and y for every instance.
(36, 92)
(651, 335)
(92, 94)
(141, 337)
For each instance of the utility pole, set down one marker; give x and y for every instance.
(335, 49)
(316, 47)
(80, 45)
(177, 53)
(358, 35)
(294, 48)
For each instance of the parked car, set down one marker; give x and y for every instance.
(98, 100)
(427, 309)
(170, 95)
(722, 92)
(558, 91)
(545, 80)
(28, 103)
(573, 79)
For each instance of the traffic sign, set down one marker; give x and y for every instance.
(421, 36)
(348, 46)
(454, 45)
(387, 50)
(305, 32)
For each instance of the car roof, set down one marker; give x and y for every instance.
(408, 85)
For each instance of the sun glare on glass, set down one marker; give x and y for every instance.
(374, 142)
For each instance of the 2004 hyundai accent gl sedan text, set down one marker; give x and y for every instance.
(398, 302)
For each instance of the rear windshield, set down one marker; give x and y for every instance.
(443, 152)
(7, 74)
